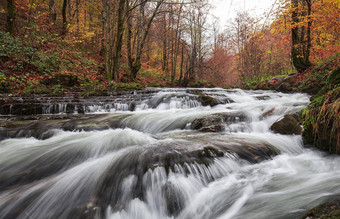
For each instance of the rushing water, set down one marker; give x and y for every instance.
(153, 165)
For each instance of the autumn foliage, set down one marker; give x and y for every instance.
(179, 48)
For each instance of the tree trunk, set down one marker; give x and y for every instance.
(181, 68)
(52, 11)
(300, 47)
(119, 39)
(77, 15)
(63, 12)
(104, 22)
(137, 62)
(11, 16)
(129, 43)
(164, 47)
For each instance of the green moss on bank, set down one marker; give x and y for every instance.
(321, 119)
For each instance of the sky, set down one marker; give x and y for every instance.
(226, 10)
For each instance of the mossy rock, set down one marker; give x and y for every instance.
(287, 125)
(329, 210)
(284, 87)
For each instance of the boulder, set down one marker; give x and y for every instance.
(215, 122)
(208, 100)
(290, 79)
(210, 123)
(287, 125)
(275, 81)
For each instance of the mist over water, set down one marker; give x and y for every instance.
(154, 165)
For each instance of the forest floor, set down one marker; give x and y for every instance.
(55, 65)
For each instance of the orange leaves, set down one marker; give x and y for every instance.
(325, 29)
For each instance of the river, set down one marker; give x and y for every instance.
(151, 163)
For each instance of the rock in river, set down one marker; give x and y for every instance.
(288, 125)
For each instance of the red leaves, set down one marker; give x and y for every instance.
(274, 81)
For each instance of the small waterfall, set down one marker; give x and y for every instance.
(161, 153)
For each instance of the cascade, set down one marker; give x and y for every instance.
(160, 153)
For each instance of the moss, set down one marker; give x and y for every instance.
(321, 122)
(328, 210)
(319, 94)
(332, 215)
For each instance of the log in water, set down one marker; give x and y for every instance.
(173, 156)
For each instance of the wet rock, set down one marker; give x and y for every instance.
(69, 126)
(132, 106)
(137, 162)
(328, 210)
(215, 122)
(168, 157)
(28, 108)
(41, 127)
(70, 108)
(174, 199)
(268, 113)
(262, 97)
(36, 130)
(287, 125)
(208, 100)
(80, 109)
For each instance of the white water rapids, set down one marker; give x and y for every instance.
(137, 170)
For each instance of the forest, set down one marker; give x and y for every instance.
(94, 46)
